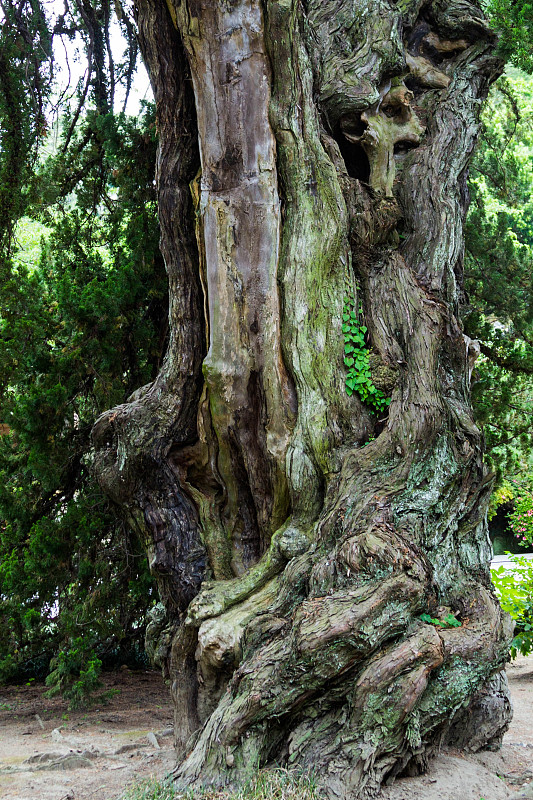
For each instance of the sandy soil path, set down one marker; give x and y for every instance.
(50, 753)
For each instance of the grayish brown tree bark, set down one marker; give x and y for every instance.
(310, 149)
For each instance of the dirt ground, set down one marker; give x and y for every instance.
(50, 753)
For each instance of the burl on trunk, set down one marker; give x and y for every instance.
(312, 190)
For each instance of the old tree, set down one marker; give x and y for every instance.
(312, 189)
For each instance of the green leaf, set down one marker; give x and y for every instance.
(450, 620)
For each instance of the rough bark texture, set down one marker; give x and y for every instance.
(298, 537)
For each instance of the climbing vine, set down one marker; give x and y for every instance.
(356, 358)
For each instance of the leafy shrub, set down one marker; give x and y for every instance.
(512, 19)
(75, 674)
(515, 590)
(83, 322)
(521, 518)
(498, 269)
(8, 668)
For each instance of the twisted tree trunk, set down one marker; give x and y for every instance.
(300, 531)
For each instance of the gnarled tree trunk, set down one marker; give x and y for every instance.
(312, 175)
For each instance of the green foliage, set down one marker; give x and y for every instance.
(83, 322)
(449, 621)
(499, 273)
(8, 668)
(356, 359)
(503, 493)
(515, 590)
(25, 84)
(82, 325)
(513, 20)
(521, 517)
(75, 674)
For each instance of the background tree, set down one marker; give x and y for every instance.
(514, 23)
(81, 326)
(498, 311)
(498, 269)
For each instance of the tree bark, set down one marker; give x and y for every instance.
(298, 536)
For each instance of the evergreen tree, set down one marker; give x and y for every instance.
(81, 328)
(499, 273)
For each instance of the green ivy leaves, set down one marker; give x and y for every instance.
(356, 359)
(449, 621)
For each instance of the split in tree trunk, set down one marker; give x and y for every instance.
(312, 175)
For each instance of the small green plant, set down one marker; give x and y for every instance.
(356, 358)
(515, 590)
(8, 668)
(75, 675)
(449, 621)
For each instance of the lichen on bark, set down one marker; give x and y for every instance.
(297, 537)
